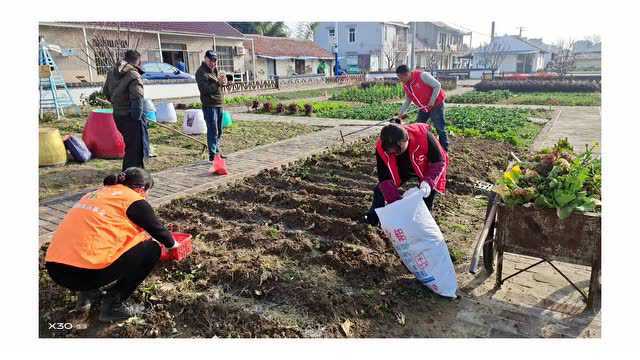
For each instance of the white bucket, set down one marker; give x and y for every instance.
(194, 122)
(166, 113)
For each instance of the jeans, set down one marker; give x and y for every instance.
(437, 119)
(128, 271)
(133, 133)
(213, 119)
(378, 202)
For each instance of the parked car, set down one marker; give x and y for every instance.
(163, 71)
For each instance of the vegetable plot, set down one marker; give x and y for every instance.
(533, 98)
(371, 94)
(555, 178)
(508, 125)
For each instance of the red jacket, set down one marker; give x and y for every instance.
(433, 173)
(420, 93)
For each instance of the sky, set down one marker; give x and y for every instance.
(549, 31)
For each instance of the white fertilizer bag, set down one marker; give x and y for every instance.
(419, 242)
(194, 122)
(166, 113)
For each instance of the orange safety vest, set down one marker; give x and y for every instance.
(96, 231)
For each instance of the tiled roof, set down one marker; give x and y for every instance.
(514, 44)
(187, 27)
(286, 47)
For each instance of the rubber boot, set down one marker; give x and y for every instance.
(86, 299)
(114, 309)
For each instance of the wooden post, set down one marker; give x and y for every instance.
(86, 49)
(160, 48)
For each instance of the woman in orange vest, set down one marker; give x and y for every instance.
(107, 237)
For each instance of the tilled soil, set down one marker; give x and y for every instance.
(283, 254)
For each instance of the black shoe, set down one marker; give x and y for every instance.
(114, 309)
(371, 220)
(86, 299)
(222, 155)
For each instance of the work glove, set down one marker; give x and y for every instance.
(175, 245)
(424, 186)
(389, 191)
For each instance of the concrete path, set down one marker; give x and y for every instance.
(193, 178)
(581, 125)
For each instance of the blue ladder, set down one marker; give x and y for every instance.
(54, 94)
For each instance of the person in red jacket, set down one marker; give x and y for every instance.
(404, 152)
(424, 91)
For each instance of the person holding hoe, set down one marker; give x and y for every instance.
(404, 152)
(107, 238)
(210, 84)
(427, 94)
(124, 90)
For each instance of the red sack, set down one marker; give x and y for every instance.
(219, 166)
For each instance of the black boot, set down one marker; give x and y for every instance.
(115, 309)
(86, 299)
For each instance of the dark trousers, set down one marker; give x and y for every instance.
(128, 271)
(437, 119)
(378, 202)
(213, 119)
(133, 132)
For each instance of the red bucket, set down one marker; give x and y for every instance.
(179, 253)
(101, 135)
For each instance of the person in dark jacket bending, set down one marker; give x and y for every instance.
(108, 238)
(123, 88)
(404, 152)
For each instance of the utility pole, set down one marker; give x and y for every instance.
(493, 30)
(413, 46)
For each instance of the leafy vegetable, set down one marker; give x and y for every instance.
(555, 178)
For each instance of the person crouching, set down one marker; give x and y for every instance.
(404, 152)
(107, 238)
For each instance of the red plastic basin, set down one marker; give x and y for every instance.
(179, 253)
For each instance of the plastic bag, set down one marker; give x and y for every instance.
(77, 148)
(418, 241)
(219, 166)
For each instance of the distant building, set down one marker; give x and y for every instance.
(279, 56)
(439, 46)
(518, 54)
(365, 46)
(168, 42)
(588, 55)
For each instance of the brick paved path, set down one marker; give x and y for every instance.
(582, 125)
(193, 178)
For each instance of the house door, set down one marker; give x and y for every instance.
(271, 68)
(299, 67)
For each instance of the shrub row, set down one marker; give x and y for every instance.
(539, 85)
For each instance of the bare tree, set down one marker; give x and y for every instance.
(565, 59)
(107, 43)
(304, 30)
(491, 56)
(432, 61)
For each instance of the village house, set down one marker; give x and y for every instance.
(164, 42)
(439, 46)
(516, 54)
(365, 46)
(278, 56)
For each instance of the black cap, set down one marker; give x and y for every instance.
(211, 55)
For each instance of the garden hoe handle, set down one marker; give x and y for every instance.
(482, 236)
(168, 128)
(342, 136)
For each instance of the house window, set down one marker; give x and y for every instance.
(352, 35)
(225, 58)
(299, 67)
(332, 33)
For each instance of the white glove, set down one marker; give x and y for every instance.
(175, 245)
(424, 186)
